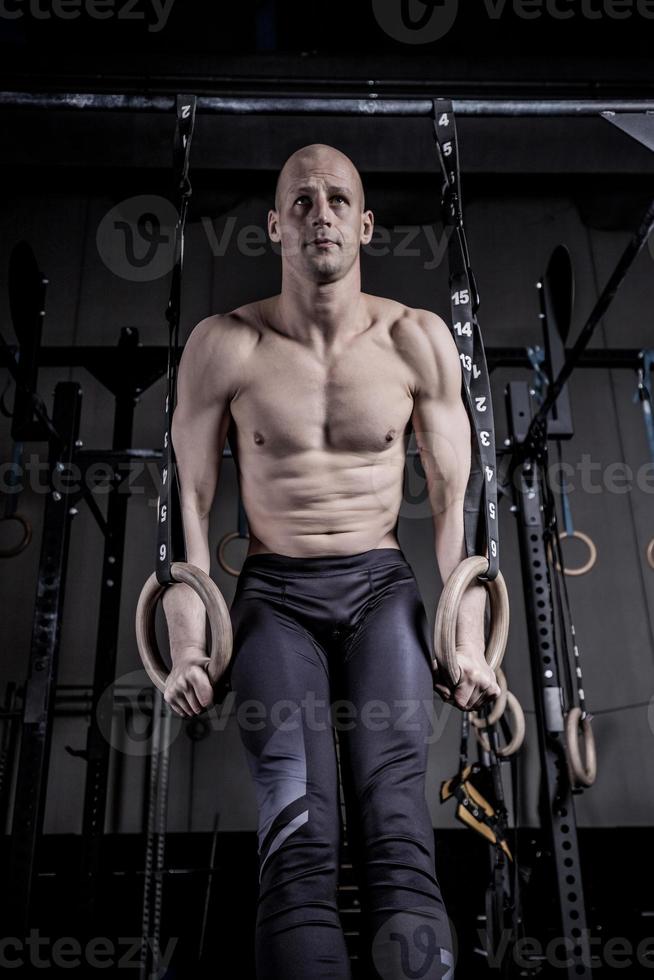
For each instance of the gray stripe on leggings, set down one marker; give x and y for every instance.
(280, 772)
(285, 832)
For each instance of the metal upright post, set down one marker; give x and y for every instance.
(556, 803)
(31, 785)
(97, 752)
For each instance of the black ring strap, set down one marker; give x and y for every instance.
(171, 546)
(480, 503)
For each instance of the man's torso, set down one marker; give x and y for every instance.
(321, 437)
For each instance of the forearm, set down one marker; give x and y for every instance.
(184, 610)
(450, 552)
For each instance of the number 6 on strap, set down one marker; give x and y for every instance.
(448, 611)
(220, 624)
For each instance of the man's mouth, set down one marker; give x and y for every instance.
(323, 242)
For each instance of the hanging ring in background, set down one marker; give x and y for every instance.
(220, 552)
(448, 611)
(584, 773)
(515, 710)
(220, 623)
(25, 540)
(499, 705)
(592, 553)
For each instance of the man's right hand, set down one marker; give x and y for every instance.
(188, 688)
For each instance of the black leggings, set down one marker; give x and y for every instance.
(339, 643)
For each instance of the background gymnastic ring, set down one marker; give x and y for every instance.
(220, 552)
(591, 548)
(584, 773)
(27, 537)
(499, 705)
(650, 553)
(220, 623)
(515, 709)
(447, 613)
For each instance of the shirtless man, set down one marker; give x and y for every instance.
(318, 388)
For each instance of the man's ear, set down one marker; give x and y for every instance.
(273, 226)
(367, 227)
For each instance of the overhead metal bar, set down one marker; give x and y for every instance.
(372, 105)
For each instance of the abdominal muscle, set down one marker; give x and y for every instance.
(323, 504)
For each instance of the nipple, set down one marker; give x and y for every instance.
(259, 439)
(390, 435)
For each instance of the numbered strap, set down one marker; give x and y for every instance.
(481, 524)
(644, 394)
(171, 545)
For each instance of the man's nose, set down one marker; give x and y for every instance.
(322, 214)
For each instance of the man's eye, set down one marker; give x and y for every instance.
(339, 197)
(302, 198)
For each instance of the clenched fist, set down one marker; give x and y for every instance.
(477, 682)
(188, 688)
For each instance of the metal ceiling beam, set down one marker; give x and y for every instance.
(323, 106)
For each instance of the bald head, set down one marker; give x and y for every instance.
(323, 159)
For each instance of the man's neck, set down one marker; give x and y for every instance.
(322, 314)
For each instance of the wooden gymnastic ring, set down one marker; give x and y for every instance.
(220, 623)
(220, 552)
(592, 553)
(515, 710)
(23, 543)
(650, 553)
(499, 705)
(448, 610)
(583, 773)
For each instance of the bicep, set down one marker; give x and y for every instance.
(201, 418)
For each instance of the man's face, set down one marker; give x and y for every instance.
(319, 221)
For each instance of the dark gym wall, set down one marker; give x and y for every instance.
(518, 209)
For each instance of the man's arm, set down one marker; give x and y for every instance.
(443, 436)
(206, 381)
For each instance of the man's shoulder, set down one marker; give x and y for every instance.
(217, 350)
(237, 326)
(424, 342)
(230, 337)
(407, 320)
(416, 333)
